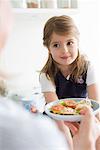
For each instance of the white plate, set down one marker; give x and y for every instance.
(72, 118)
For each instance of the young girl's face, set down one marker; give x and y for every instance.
(64, 49)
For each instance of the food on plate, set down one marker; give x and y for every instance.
(69, 103)
(71, 111)
(60, 109)
(70, 107)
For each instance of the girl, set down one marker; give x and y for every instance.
(67, 73)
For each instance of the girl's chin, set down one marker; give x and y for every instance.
(66, 63)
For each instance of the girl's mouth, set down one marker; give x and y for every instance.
(64, 57)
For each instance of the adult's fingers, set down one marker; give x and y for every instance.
(73, 123)
(73, 126)
(87, 124)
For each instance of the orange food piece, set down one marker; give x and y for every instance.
(58, 107)
(70, 103)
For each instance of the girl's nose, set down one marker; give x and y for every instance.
(65, 48)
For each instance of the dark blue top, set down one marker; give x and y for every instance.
(69, 88)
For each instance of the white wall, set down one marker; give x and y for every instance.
(24, 53)
(90, 32)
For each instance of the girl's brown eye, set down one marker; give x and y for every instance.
(56, 45)
(69, 43)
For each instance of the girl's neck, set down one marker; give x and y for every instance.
(65, 70)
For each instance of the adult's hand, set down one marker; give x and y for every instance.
(87, 134)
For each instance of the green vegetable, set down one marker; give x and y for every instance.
(77, 111)
(62, 103)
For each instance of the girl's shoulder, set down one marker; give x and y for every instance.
(43, 76)
(46, 84)
(90, 67)
(90, 75)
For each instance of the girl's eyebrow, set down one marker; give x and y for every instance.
(70, 39)
(58, 41)
(55, 42)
